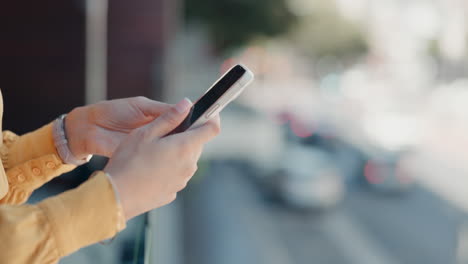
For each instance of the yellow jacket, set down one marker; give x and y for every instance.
(55, 227)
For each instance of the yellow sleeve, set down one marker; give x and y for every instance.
(30, 161)
(19, 149)
(60, 225)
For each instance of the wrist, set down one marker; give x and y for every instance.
(121, 219)
(121, 188)
(62, 145)
(73, 124)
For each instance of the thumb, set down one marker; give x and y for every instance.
(170, 119)
(148, 107)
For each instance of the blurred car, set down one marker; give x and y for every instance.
(349, 159)
(307, 178)
(380, 169)
(386, 172)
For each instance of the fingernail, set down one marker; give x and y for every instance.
(183, 105)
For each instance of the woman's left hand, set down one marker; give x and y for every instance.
(99, 128)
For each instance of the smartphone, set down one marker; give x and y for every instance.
(219, 95)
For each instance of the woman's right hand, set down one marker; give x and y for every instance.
(149, 169)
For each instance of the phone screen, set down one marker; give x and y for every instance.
(210, 98)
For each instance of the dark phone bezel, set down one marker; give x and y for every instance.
(206, 101)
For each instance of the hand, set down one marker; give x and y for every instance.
(99, 128)
(149, 168)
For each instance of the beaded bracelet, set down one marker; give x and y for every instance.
(61, 143)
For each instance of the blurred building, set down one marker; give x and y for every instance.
(43, 56)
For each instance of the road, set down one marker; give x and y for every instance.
(228, 220)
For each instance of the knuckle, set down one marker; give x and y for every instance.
(172, 197)
(140, 98)
(212, 129)
(191, 169)
(215, 128)
(171, 117)
(182, 186)
(141, 132)
(194, 168)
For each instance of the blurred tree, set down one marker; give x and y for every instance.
(233, 23)
(325, 32)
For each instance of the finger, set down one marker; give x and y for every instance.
(150, 107)
(168, 121)
(228, 64)
(204, 133)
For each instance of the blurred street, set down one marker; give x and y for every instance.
(228, 220)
